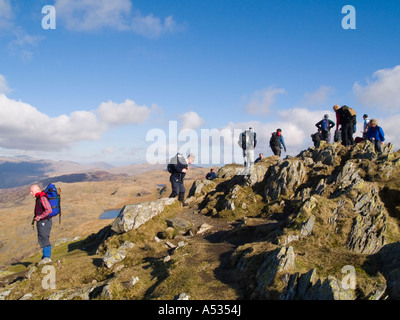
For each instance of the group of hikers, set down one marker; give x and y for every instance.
(346, 118)
(179, 165)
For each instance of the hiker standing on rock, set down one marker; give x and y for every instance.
(178, 167)
(277, 143)
(345, 117)
(248, 142)
(43, 221)
(325, 125)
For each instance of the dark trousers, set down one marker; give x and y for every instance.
(347, 134)
(177, 185)
(276, 151)
(43, 230)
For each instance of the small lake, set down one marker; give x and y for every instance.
(110, 214)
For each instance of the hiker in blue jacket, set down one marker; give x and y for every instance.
(277, 142)
(325, 125)
(376, 135)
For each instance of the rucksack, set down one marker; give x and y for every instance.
(53, 194)
(349, 115)
(274, 141)
(173, 162)
(325, 125)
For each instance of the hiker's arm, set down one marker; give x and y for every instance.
(318, 124)
(47, 209)
(283, 143)
(381, 135)
(331, 124)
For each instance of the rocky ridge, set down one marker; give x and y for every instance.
(319, 226)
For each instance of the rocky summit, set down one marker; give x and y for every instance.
(323, 225)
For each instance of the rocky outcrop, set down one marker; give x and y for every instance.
(283, 179)
(330, 200)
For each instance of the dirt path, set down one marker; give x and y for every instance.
(219, 251)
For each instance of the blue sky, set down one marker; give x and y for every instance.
(112, 71)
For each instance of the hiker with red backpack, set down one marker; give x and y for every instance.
(325, 125)
(47, 206)
(277, 143)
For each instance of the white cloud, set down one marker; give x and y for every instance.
(4, 85)
(261, 101)
(24, 127)
(127, 112)
(191, 120)
(89, 15)
(383, 91)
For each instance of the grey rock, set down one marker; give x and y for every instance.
(134, 215)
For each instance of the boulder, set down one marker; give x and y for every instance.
(132, 216)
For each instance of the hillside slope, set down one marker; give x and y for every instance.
(322, 225)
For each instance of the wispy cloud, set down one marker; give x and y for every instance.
(6, 15)
(4, 88)
(91, 15)
(383, 91)
(318, 97)
(23, 44)
(261, 101)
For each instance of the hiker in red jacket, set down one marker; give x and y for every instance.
(43, 221)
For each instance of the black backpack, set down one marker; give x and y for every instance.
(274, 141)
(172, 163)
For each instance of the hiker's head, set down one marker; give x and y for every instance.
(261, 155)
(190, 158)
(278, 132)
(365, 116)
(326, 116)
(212, 170)
(374, 122)
(336, 107)
(34, 190)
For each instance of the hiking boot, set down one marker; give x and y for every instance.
(44, 261)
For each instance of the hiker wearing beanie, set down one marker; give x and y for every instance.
(375, 135)
(43, 221)
(325, 125)
(179, 167)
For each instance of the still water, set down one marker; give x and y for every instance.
(110, 214)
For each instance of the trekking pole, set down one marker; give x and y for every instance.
(33, 223)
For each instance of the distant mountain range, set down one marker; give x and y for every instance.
(23, 170)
